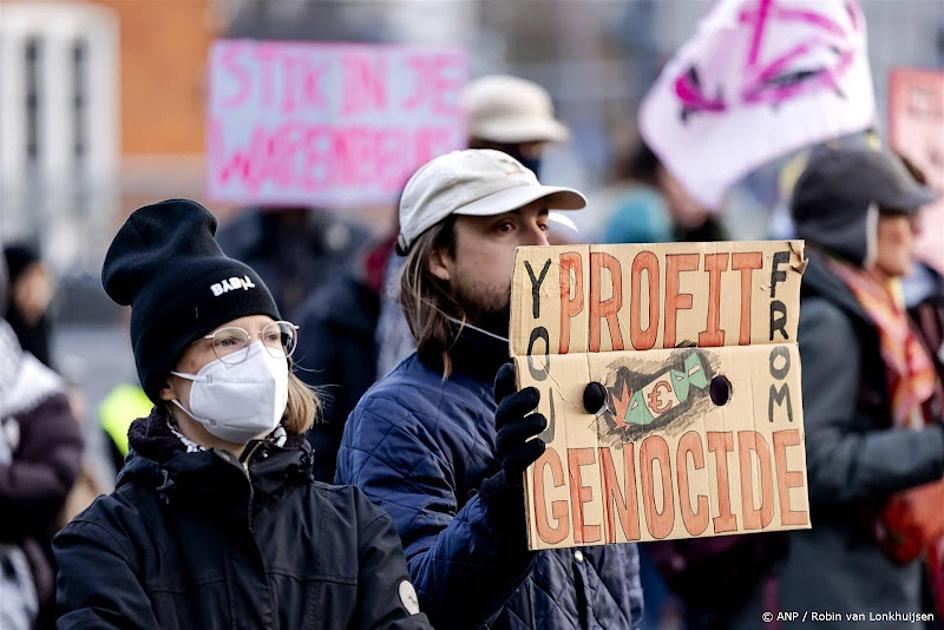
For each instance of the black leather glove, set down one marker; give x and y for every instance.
(516, 444)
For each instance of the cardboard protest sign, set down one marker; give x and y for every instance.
(327, 124)
(695, 345)
(759, 78)
(915, 124)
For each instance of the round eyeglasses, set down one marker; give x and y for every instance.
(231, 344)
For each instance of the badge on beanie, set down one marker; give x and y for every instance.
(232, 284)
(408, 597)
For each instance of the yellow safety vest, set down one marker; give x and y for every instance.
(120, 408)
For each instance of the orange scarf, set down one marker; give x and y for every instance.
(911, 375)
(910, 525)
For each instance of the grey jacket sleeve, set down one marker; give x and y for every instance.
(845, 462)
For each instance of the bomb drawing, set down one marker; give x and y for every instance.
(639, 399)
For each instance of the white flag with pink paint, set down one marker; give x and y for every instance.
(760, 78)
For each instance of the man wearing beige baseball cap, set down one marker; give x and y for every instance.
(504, 113)
(440, 448)
(478, 183)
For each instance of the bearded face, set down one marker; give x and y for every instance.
(479, 271)
(484, 305)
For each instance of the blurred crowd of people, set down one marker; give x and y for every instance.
(323, 355)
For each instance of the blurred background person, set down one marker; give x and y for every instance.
(658, 205)
(514, 116)
(295, 250)
(872, 397)
(923, 291)
(30, 294)
(40, 454)
(337, 353)
(123, 405)
(88, 484)
(858, 209)
(636, 212)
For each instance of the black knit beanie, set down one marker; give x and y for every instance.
(166, 264)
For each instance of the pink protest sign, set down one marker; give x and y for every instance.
(915, 124)
(327, 124)
(759, 78)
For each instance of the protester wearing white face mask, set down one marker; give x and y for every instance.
(242, 393)
(216, 521)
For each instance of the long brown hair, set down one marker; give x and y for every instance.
(425, 299)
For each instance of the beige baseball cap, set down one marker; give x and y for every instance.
(507, 109)
(474, 182)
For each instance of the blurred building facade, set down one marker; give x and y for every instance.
(101, 109)
(162, 65)
(58, 106)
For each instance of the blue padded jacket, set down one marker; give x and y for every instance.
(420, 446)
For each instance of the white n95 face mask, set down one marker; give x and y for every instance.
(241, 402)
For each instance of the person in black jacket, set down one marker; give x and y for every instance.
(216, 521)
(338, 354)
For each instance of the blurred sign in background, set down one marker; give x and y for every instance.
(328, 124)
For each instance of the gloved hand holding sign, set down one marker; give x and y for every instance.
(516, 444)
(516, 447)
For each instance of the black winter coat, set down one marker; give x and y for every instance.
(193, 540)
